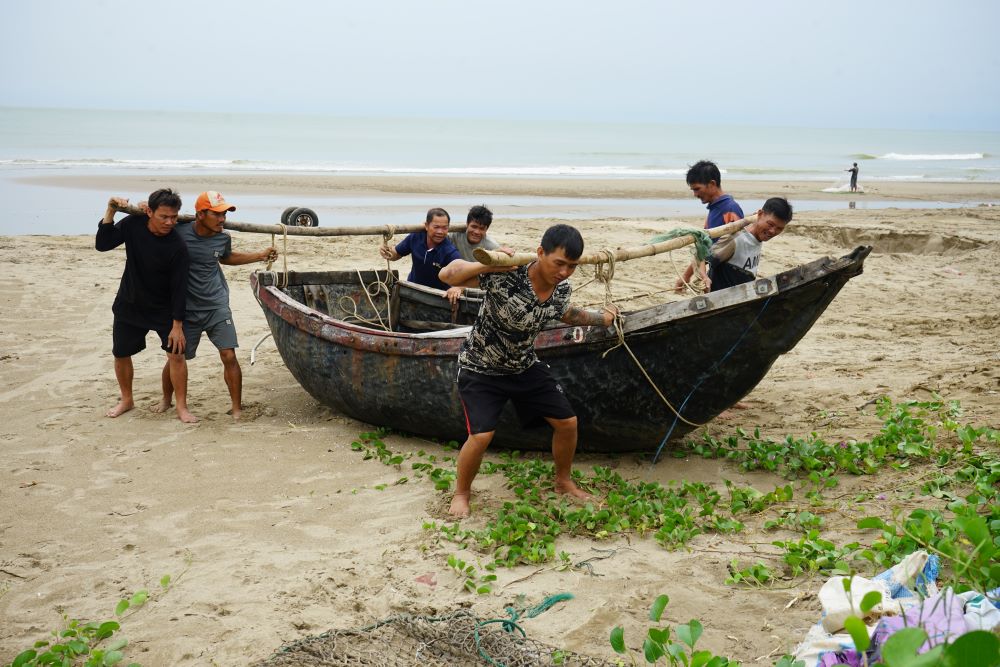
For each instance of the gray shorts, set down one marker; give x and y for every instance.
(218, 324)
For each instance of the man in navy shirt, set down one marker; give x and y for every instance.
(705, 181)
(431, 250)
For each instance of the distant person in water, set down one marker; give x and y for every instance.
(208, 308)
(431, 251)
(498, 363)
(854, 177)
(152, 295)
(735, 258)
(705, 181)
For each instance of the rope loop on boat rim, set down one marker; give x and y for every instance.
(281, 282)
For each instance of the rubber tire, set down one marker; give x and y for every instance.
(303, 217)
(286, 214)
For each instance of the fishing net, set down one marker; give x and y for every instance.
(460, 639)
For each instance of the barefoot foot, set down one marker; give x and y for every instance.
(162, 406)
(569, 488)
(236, 414)
(186, 417)
(459, 505)
(120, 409)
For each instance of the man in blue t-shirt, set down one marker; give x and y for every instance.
(208, 309)
(431, 251)
(705, 181)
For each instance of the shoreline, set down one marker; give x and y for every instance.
(475, 186)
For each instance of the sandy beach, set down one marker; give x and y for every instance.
(273, 529)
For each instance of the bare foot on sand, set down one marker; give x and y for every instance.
(161, 407)
(236, 413)
(570, 488)
(186, 416)
(120, 409)
(459, 505)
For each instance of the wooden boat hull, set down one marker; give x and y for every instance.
(704, 354)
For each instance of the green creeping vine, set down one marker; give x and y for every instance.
(87, 644)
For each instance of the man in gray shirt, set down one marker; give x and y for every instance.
(208, 293)
(477, 222)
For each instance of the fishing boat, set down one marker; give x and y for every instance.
(388, 356)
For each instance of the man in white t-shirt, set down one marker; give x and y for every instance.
(735, 258)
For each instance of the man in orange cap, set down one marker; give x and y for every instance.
(208, 293)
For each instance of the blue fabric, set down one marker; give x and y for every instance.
(427, 263)
(718, 209)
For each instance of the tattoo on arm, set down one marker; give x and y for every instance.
(581, 317)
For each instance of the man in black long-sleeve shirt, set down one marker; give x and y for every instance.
(152, 293)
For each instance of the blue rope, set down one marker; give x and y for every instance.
(704, 376)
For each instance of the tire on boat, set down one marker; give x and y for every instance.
(303, 217)
(286, 213)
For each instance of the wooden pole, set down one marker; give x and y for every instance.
(496, 258)
(371, 230)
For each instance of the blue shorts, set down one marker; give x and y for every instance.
(535, 394)
(218, 324)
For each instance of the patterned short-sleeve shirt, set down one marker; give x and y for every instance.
(502, 341)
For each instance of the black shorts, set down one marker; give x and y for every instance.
(534, 392)
(129, 336)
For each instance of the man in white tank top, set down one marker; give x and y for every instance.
(735, 258)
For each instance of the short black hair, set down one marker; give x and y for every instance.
(480, 214)
(702, 172)
(779, 208)
(565, 237)
(164, 197)
(435, 212)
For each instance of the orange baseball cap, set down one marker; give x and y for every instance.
(213, 201)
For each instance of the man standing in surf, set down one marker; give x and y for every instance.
(152, 293)
(498, 361)
(854, 177)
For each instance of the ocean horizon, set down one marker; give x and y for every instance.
(39, 142)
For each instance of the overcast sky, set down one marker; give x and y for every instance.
(852, 63)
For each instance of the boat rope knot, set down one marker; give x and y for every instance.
(282, 281)
(387, 234)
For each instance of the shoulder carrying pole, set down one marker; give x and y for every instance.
(495, 258)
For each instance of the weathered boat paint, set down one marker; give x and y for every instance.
(706, 353)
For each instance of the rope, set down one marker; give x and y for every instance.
(353, 311)
(605, 276)
(702, 248)
(705, 375)
(510, 624)
(281, 283)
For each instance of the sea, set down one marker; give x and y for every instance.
(40, 142)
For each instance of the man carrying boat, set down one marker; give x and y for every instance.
(152, 292)
(208, 293)
(431, 251)
(736, 258)
(498, 361)
(705, 181)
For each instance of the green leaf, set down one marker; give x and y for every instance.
(618, 640)
(656, 611)
(121, 608)
(660, 636)
(164, 581)
(652, 650)
(118, 644)
(700, 658)
(978, 647)
(139, 598)
(23, 658)
(902, 646)
(689, 633)
(869, 601)
(113, 658)
(106, 629)
(859, 633)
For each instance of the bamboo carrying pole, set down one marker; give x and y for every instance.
(372, 230)
(495, 258)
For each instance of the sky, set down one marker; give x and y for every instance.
(851, 63)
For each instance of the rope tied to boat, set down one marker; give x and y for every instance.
(702, 248)
(605, 272)
(387, 234)
(281, 282)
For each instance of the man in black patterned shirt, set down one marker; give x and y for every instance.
(498, 362)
